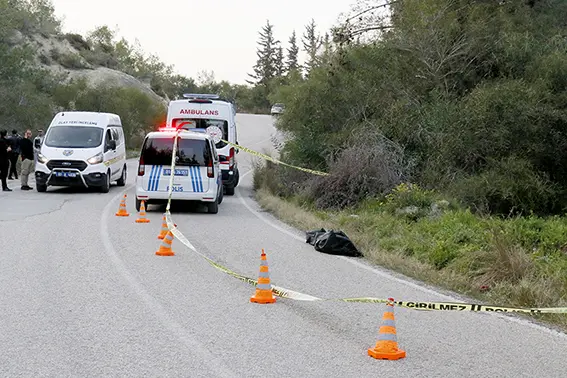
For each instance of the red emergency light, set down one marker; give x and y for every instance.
(165, 129)
(181, 125)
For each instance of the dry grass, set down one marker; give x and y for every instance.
(510, 263)
(302, 219)
(504, 275)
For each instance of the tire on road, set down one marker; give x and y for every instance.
(122, 180)
(105, 188)
(236, 178)
(213, 207)
(221, 196)
(229, 190)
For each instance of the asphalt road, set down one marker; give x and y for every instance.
(83, 294)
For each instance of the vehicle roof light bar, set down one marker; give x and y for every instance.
(201, 96)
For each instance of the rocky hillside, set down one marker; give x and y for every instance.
(66, 56)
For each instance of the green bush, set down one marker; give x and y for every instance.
(474, 96)
(100, 59)
(139, 112)
(73, 61)
(77, 41)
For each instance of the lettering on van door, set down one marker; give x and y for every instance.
(176, 188)
(199, 112)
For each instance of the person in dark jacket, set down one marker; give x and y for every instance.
(26, 150)
(14, 141)
(4, 161)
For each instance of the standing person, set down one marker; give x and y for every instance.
(26, 148)
(14, 140)
(4, 160)
(37, 141)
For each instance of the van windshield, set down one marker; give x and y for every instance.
(214, 127)
(73, 137)
(190, 152)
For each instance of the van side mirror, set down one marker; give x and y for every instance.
(37, 144)
(112, 144)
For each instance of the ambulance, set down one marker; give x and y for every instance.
(216, 117)
(196, 175)
(85, 149)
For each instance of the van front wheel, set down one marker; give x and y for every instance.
(105, 188)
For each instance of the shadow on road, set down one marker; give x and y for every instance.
(180, 207)
(80, 190)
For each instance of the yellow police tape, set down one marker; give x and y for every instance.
(256, 153)
(294, 295)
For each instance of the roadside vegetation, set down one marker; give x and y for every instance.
(37, 58)
(443, 125)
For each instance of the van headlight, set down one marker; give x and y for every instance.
(42, 159)
(97, 159)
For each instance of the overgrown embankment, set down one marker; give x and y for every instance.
(520, 261)
(445, 137)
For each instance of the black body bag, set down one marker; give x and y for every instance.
(332, 242)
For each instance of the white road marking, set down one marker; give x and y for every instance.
(169, 323)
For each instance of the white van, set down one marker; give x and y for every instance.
(85, 149)
(217, 117)
(197, 174)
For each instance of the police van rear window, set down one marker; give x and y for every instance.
(190, 152)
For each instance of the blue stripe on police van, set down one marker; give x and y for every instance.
(200, 178)
(193, 179)
(198, 169)
(156, 179)
(151, 177)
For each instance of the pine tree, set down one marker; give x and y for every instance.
(265, 67)
(327, 50)
(293, 54)
(311, 45)
(280, 64)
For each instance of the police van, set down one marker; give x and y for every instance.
(196, 175)
(85, 149)
(217, 117)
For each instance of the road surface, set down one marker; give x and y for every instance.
(83, 294)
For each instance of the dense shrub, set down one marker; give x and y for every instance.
(473, 92)
(72, 61)
(367, 169)
(77, 41)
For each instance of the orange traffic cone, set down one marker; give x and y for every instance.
(165, 247)
(122, 212)
(164, 229)
(387, 346)
(264, 294)
(142, 215)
